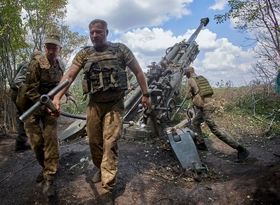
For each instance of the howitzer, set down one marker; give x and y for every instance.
(164, 81)
(45, 99)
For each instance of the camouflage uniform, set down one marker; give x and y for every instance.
(204, 109)
(104, 122)
(21, 140)
(41, 127)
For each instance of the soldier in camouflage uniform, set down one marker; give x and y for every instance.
(105, 81)
(205, 108)
(43, 74)
(21, 140)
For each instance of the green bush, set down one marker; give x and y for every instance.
(81, 102)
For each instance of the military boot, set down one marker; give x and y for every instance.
(22, 146)
(40, 177)
(243, 153)
(107, 198)
(49, 188)
(96, 177)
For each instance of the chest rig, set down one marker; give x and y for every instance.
(50, 75)
(104, 71)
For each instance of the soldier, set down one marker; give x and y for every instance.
(21, 140)
(200, 91)
(105, 81)
(43, 74)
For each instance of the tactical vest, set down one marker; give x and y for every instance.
(49, 76)
(205, 90)
(105, 71)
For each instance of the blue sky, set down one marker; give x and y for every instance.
(148, 27)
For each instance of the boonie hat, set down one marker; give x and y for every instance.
(52, 38)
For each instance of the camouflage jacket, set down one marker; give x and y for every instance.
(41, 76)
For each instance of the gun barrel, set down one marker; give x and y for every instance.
(27, 113)
(58, 88)
(203, 22)
(44, 100)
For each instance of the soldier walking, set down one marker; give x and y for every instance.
(18, 81)
(199, 90)
(105, 81)
(43, 74)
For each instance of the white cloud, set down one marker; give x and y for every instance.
(219, 5)
(125, 14)
(218, 58)
(137, 23)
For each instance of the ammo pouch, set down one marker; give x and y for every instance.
(104, 71)
(106, 80)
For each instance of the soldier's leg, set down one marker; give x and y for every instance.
(222, 135)
(51, 151)
(242, 154)
(112, 131)
(196, 126)
(36, 140)
(94, 133)
(21, 140)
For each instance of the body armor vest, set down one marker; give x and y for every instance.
(105, 71)
(205, 90)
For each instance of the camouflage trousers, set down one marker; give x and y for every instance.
(205, 115)
(21, 137)
(104, 129)
(42, 133)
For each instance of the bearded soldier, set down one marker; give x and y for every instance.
(105, 81)
(200, 91)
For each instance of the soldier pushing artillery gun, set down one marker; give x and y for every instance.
(164, 80)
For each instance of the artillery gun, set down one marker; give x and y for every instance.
(164, 81)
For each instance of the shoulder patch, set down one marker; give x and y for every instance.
(42, 60)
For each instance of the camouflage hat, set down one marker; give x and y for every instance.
(52, 38)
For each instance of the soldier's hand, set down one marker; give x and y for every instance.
(56, 103)
(146, 101)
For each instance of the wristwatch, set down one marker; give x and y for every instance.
(146, 95)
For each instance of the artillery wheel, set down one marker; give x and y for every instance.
(171, 108)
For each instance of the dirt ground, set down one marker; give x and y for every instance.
(149, 173)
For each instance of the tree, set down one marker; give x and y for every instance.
(261, 19)
(23, 24)
(71, 41)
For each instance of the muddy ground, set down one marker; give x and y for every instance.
(149, 173)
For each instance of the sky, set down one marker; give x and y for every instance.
(149, 27)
